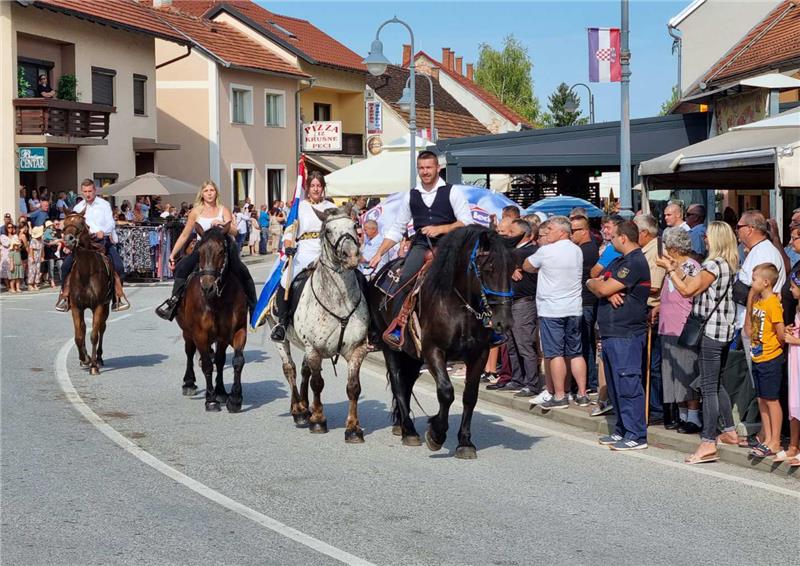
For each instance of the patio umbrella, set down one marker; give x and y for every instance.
(149, 184)
(562, 205)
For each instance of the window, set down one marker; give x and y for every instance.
(139, 91)
(322, 112)
(103, 86)
(274, 108)
(102, 180)
(242, 178)
(241, 104)
(32, 69)
(275, 183)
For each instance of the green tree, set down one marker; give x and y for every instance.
(667, 106)
(507, 75)
(558, 116)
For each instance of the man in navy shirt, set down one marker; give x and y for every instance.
(623, 289)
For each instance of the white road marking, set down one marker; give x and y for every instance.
(64, 381)
(17, 309)
(427, 390)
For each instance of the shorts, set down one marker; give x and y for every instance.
(561, 337)
(768, 377)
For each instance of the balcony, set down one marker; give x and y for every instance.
(61, 123)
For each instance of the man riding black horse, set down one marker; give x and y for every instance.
(436, 208)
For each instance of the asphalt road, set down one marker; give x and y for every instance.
(125, 470)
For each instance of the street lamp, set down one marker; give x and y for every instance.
(572, 105)
(405, 102)
(376, 63)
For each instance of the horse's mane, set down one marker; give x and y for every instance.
(213, 233)
(453, 252)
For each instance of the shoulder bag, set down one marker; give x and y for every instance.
(695, 325)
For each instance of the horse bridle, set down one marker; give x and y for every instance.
(78, 231)
(485, 314)
(336, 246)
(218, 274)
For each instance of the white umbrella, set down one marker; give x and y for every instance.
(150, 184)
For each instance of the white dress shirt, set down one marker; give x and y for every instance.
(458, 201)
(99, 217)
(368, 250)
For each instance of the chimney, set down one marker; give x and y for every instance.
(459, 67)
(406, 55)
(445, 56)
(451, 61)
(470, 71)
(157, 4)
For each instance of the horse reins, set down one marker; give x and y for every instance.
(218, 274)
(485, 314)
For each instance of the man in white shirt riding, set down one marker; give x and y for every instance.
(99, 218)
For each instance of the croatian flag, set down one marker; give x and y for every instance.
(260, 314)
(604, 51)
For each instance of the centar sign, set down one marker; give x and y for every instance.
(322, 136)
(33, 159)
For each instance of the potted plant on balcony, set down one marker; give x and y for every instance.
(23, 86)
(67, 88)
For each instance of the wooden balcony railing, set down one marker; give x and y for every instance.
(37, 116)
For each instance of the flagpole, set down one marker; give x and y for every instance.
(625, 196)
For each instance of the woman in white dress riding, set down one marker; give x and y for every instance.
(208, 212)
(303, 244)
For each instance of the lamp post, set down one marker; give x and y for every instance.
(625, 196)
(572, 105)
(376, 63)
(405, 102)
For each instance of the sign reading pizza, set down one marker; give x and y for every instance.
(322, 136)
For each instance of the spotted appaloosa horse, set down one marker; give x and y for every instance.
(213, 315)
(331, 319)
(91, 286)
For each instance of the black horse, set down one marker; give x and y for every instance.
(466, 294)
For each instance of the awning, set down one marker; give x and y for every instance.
(330, 163)
(743, 158)
(149, 144)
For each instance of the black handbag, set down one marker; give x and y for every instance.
(695, 325)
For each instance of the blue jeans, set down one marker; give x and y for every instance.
(589, 346)
(622, 361)
(111, 250)
(656, 385)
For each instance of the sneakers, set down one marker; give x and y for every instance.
(609, 439)
(488, 377)
(542, 397)
(393, 338)
(525, 392)
(603, 408)
(554, 403)
(498, 339)
(628, 445)
(582, 400)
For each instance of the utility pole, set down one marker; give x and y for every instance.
(625, 196)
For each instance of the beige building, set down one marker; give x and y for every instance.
(329, 86)
(110, 131)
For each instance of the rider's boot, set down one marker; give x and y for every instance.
(169, 308)
(62, 304)
(121, 301)
(282, 314)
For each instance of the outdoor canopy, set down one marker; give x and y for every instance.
(150, 184)
(382, 175)
(743, 158)
(562, 205)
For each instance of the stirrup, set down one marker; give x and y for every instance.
(393, 337)
(278, 333)
(121, 304)
(168, 308)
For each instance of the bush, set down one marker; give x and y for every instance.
(67, 88)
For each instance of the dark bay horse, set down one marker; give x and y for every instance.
(91, 286)
(466, 290)
(213, 315)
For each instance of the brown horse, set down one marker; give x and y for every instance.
(213, 315)
(91, 286)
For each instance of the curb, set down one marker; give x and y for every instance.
(579, 417)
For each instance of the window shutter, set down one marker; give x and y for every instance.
(139, 87)
(103, 87)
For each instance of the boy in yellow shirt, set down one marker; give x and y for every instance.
(764, 326)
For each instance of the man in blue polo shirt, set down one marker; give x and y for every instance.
(623, 289)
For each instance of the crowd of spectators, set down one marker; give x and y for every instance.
(638, 318)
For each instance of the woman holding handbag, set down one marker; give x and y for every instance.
(710, 329)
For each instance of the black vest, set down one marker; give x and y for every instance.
(440, 212)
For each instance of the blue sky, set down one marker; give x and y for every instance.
(553, 32)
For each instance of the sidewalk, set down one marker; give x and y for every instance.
(579, 417)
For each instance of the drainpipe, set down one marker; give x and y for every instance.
(298, 121)
(677, 44)
(178, 58)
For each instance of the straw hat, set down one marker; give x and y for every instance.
(37, 232)
(48, 223)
